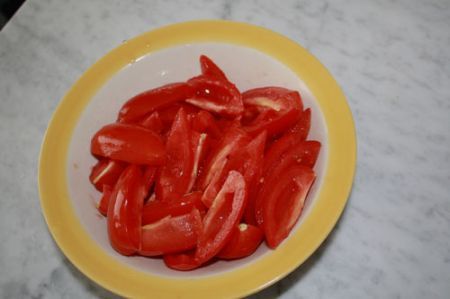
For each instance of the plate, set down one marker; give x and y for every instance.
(251, 56)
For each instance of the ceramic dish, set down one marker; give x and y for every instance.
(250, 56)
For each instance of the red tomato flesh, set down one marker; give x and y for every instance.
(244, 241)
(171, 234)
(106, 172)
(128, 143)
(124, 211)
(151, 100)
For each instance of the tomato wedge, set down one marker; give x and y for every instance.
(181, 261)
(149, 177)
(222, 217)
(215, 95)
(244, 241)
(282, 203)
(153, 122)
(279, 109)
(171, 234)
(148, 101)
(199, 147)
(128, 143)
(304, 153)
(209, 68)
(215, 171)
(204, 122)
(124, 211)
(175, 176)
(106, 172)
(104, 200)
(156, 210)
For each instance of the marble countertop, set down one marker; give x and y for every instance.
(392, 60)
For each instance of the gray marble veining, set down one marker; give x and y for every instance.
(391, 59)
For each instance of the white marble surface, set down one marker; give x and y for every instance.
(392, 59)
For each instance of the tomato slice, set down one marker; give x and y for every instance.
(148, 101)
(282, 203)
(199, 148)
(244, 241)
(154, 123)
(301, 129)
(104, 200)
(156, 210)
(149, 177)
(129, 143)
(175, 176)
(204, 122)
(106, 172)
(181, 261)
(274, 98)
(222, 217)
(215, 95)
(279, 109)
(215, 171)
(167, 114)
(209, 68)
(304, 153)
(171, 234)
(124, 211)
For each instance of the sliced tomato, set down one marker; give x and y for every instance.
(215, 171)
(215, 95)
(293, 151)
(171, 234)
(175, 176)
(301, 129)
(199, 148)
(153, 122)
(209, 68)
(106, 172)
(124, 211)
(148, 101)
(168, 113)
(149, 177)
(304, 153)
(244, 241)
(274, 109)
(128, 143)
(156, 210)
(222, 217)
(181, 261)
(282, 203)
(249, 161)
(104, 200)
(204, 122)
(273, 98)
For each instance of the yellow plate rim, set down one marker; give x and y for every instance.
(120, 278)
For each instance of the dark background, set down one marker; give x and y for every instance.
(7, 10)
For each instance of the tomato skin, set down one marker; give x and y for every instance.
(209, 68)
(175, 176)
(204, 122)
(105, 172)
(151, 100)
(215, 171)
(171, 234)
(215, 95)
(153, 122)
(156, 210)
(124, 211)
(304, 154)
(149, 177)
(279, 109)
(104, 200)
(128, 143)
(282, 204)
(222, 217)
(244, 241)
(181, 261)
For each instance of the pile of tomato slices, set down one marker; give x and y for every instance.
(196, 171)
